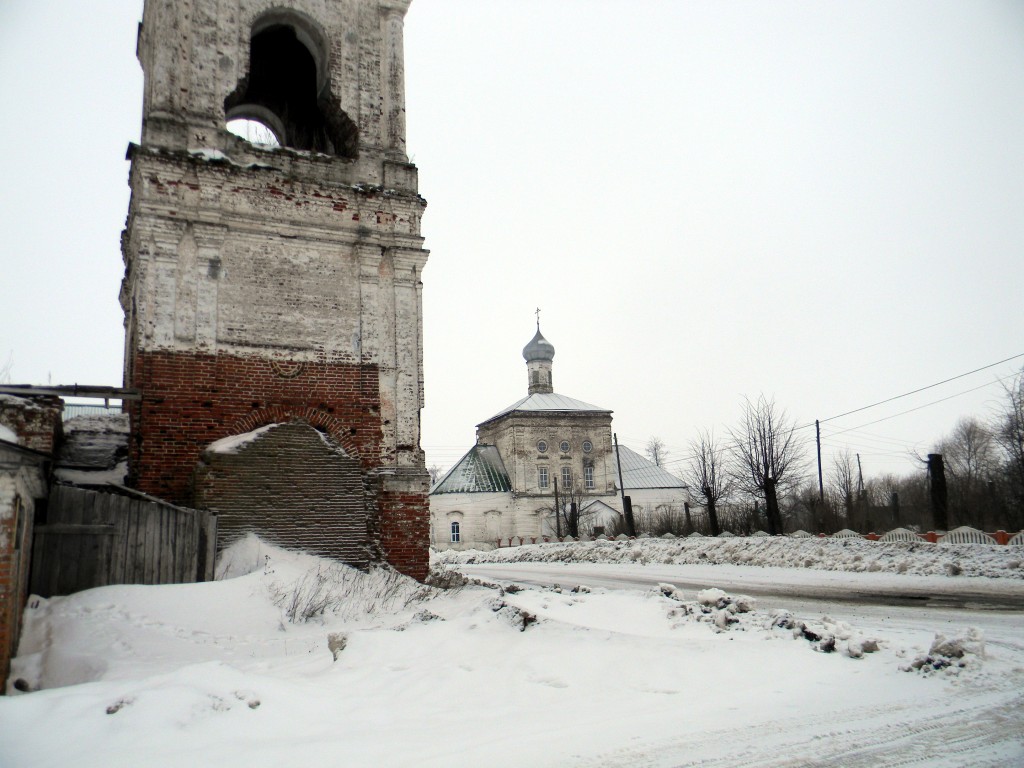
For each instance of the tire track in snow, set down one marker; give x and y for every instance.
(900, 735)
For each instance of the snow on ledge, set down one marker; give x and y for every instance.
(8, 435)
(208, 153)
(234, 443)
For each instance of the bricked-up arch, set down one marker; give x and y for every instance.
(287, 88)
(321, 420)
(292, 485)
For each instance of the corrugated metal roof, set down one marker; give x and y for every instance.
(479, 471)
(638, 472)
(548, 401)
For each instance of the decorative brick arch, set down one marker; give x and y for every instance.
(315, 417)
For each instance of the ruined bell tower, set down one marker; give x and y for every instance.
(272, 294)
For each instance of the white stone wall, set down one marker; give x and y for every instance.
(654, 500)
(194, 53)
(282, 254)
(483, 518)
(517, 435)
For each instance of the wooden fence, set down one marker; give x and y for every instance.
(92, 539)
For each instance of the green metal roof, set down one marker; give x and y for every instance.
(479, 471)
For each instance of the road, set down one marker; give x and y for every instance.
(776, 587)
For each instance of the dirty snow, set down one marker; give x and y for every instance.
(375, 669)
(114, 476)
(94, 450)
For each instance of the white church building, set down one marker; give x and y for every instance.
(544, 447)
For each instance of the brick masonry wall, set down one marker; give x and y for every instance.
(35, 420)
(10, 605)
(405, 527)
(190, 400)
(37, 423)
(17, 487)
(297, 489)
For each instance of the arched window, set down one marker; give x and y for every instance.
(254, 131)
(456, 532)
(286, 90)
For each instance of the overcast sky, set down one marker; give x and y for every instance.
(821, 202)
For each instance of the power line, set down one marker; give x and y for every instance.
(918, 408)
(922, 389)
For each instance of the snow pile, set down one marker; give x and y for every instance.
(950, 655)
(8, 435)
(94, 450)
(724, 612)
(846, 554)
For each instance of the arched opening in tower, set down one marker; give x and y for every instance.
(285, 93)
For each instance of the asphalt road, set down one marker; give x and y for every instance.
(771, 586)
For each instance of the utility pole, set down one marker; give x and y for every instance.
(937, 486)
(862, 501)
(627, 503)
(817, 437)
(558, 512)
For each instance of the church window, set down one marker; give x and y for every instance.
(456, 532)
(566, 478)
(535, 377)
(542, 477)
(564, 446)
(587, 446)
(542, 446)
(588, 478)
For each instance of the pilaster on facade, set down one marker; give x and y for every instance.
(393, 65)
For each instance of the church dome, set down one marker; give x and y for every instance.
(539, 348)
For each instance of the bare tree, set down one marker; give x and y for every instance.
(656, 451)
(436, 473)
(6, 368)
(708, 476)
(1009, 435)
(970, 461)
(843, 483)
(571, 510)
(767, 457)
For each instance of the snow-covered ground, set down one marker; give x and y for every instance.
(396, 674)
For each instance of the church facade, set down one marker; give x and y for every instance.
(543, 453)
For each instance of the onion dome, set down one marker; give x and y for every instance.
(539, 348)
